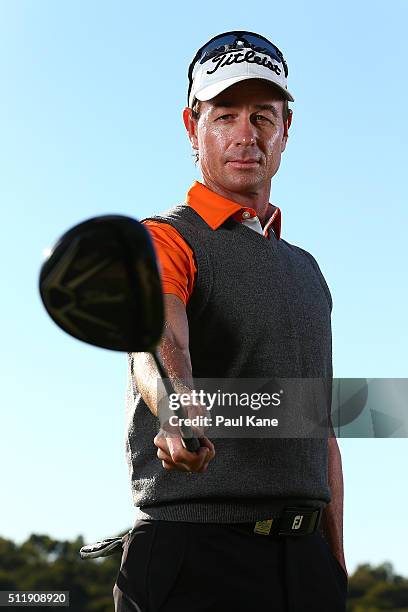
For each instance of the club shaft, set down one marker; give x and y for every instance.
(190, 442)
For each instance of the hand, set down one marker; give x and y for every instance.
(174, 456)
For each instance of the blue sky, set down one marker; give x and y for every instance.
(90, 123)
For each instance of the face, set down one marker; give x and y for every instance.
(240, 136)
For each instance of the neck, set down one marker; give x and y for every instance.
(258, 199)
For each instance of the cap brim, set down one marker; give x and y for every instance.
(209, 92)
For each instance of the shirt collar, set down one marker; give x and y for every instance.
(214, 209)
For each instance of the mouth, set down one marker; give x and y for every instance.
(244, 163)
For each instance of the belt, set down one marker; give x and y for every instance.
(293, 521)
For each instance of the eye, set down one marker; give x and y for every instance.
(225, 117)
(262, 118)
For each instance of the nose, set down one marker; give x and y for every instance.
(245, 134)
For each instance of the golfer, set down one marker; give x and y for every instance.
(245, 523)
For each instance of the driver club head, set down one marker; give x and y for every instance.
(101, 285)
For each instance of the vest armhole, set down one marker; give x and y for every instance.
(203, 283)
(322, 280)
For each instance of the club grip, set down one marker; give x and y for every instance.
(190, 443)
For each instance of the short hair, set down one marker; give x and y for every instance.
(196, 110)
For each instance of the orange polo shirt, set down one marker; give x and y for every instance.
(176, 258)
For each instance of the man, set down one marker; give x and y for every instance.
(237, 524)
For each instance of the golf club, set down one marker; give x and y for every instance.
(101, 285)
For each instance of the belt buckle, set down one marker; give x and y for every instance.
(263, 527)
(296, 521)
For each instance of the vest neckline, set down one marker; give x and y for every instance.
(272, 243)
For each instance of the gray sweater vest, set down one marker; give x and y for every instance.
(260, 308)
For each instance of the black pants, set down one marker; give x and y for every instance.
(176, 566)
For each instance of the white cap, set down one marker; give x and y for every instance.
(233, 64)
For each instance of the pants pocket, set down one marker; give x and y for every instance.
(130, 590)
(338, 569)
(151, 564)
(166, 561)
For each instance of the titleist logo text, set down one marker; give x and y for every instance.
(238, 58)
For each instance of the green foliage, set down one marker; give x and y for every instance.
(374, 589)
(41, 563)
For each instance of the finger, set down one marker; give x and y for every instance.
(194, 461)
(203, 458)
(166, 458)
(171, 450)
(208, 444)
(161, 442)
(171, 466)
(163, 455)
(204, 465)
(205, 442)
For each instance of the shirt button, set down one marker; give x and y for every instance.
(246, 214)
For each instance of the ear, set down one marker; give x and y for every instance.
(191, 127)
(286, 127)
(289, 122)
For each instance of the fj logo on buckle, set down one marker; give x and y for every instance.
(297, 521)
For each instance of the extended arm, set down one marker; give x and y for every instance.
(174, 351)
